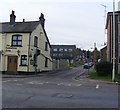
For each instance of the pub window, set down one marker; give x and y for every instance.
(35, 41)
(17, 40)
(46, 62)
(23, 60)
(46, 46)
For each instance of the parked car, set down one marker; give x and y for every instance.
(91, 64)
(86, 66)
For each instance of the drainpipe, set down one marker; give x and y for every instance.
(111, 39)
(28, 52)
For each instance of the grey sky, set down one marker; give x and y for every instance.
(77, 22)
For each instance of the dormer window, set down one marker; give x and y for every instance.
(17, 40)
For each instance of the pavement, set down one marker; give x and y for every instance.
(32, 74)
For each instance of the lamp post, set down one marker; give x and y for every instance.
(113, 71)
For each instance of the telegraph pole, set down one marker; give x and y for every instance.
(114, 58)
(105, 6)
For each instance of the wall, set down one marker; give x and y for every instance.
(108, 40)
(41, 45)
(60, 64)
(8, 50)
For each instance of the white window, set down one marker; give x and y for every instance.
(23, 60)
(65, 50)
(61, 50)
(54, 55)
(70, 50)
(55, 50)
(60, 54)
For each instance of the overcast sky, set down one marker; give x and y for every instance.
(74, 22)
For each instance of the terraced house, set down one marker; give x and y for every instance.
(24, 46)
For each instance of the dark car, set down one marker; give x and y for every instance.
(86, 66)
(91, 64)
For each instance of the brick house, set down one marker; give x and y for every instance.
(109, 27)
(103, 54)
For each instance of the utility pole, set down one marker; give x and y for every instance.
(105, 6)
(114, 58)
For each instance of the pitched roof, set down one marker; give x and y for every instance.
(21, 27)
(24, 27)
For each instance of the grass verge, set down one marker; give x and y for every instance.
(93, 75)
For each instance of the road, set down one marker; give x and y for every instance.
(58, 90)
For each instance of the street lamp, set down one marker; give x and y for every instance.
(113, 71)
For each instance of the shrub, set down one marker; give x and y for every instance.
(103, 68)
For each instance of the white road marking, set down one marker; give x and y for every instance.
(15, 80)
(79, 85)
(60, 84)
(97, 86)
(30, 82)
(36, 83)
(19, 84)
(69, 84)
(6, 81)
(40, 83)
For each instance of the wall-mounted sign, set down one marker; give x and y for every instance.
(11, 48)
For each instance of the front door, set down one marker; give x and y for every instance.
(12, 63)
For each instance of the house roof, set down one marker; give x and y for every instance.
(104, 48)
(18, 27)
(63, 46)
(21, 27)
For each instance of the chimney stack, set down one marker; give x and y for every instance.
(23, 20)
(42, 20)
(12, 18)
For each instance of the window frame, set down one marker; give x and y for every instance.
(22, 60)
(55, 50)
(118, 18)
(118, 38)
(46, 62)
(35, 41)
(70, 50)
(60, 49)
(16, 39)
(46, 46)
